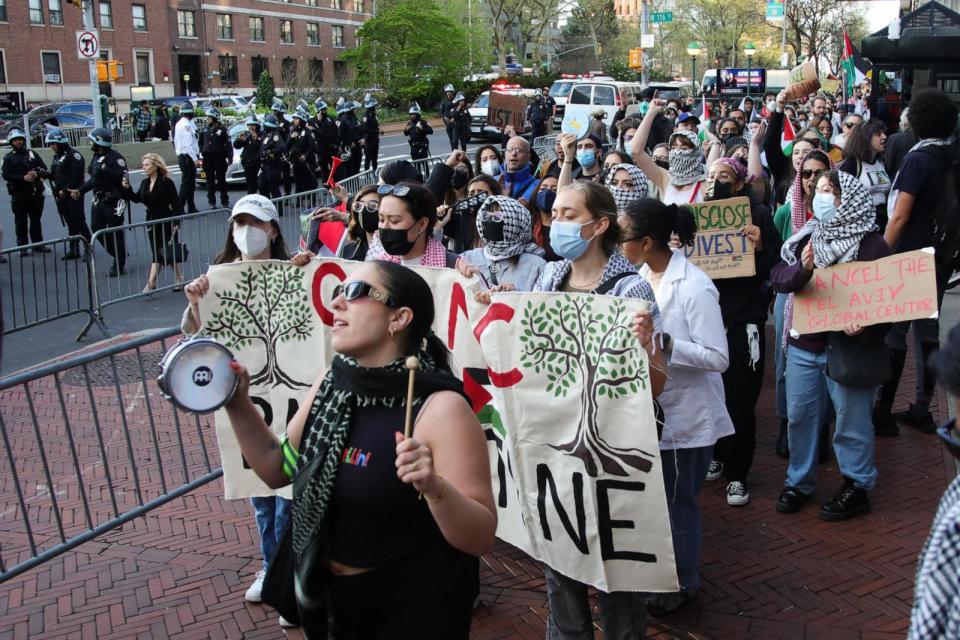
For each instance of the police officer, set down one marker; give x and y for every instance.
(217, 154)
(250, 142)
(302, 151)
(66, 173)
(107, 170)
(272, 158)
(417, 132)
(537, 116)
(283, 128)
(327, 137)
(351, 135)
(371, 133)
(460, 115)
(24, 171)
(446, 106)
(188, 153)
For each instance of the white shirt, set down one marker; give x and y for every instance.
(185, 138)
(873, 175)
(694, 407)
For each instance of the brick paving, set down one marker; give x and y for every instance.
(180, 572)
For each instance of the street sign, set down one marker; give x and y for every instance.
(661, 16)
(774, 10)
(647, 41)
(88, 45)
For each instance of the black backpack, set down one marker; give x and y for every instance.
(946, 212)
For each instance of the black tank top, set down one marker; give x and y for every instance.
(375, 518)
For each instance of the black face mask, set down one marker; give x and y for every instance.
(721, 191)
(395, 241)
(459, 180)
(415, 116)
(492, 230)
(663, 164)
(369, 221)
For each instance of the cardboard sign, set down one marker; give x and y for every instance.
(505, 109)
(892, 289)
(803, 80)
(719, 248)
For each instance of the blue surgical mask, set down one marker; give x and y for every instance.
(586, 157)
(545, 199)
(823, 207)
(566, 241)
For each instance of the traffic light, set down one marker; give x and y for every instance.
(109, 70)
(636, 58)
(76, 3)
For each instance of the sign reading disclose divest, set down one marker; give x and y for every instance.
(558, 382)
(892, 289)
(720, 248)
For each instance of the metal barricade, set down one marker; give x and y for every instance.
(295, 208)
(89, 444)
(121, 135)
(545, 146)
(356, 182)
(39, 286)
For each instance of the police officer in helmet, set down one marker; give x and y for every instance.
(250, 142)
(327, 138)
(24, 171)
(417, 132)
(302, 151)
(66, 173)
(283, 128)
(217, 155)
(272, 158)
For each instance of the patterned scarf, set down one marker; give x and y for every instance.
(798, 207)
(434, 256)
(624, 197)
(686, 165)
(517, 227)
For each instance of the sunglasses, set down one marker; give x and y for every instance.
(360, 289)
(810, 173)
(849, 125)
(370, 205)
(393, 190)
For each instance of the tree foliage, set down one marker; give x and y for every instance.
(525, 19)
(815, 29)
(265, 90)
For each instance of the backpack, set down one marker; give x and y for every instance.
(946, 213)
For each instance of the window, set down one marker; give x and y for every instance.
(106, 14)
(286, 31)
(51, 66)
(336, 4)
(603, 95)
(339, 72)
(358, 6)
(186, 24)
(581, 94)
(56, 12)
(224, 26)
(142, 63)
(139, 17)
(338, 36)
(312, 3)
(259, 64)
(3, 68)
(313, 34)
(289, 69)
(257, 33)
(3, 10)
(228, 68)
(36, 11)
(316, 71)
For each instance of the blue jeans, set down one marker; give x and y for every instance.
(780, 354)
(273, 513)
(809, 390)
(684, 471)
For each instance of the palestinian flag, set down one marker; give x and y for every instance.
(705, 118)
(846, 63)
(788, 137)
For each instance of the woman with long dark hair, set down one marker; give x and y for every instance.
(363, 223)
(863, 154)
(389, 564)
(408, 214)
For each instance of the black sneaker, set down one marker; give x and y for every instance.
(884, 423)
(43, 249)
(3, 259)
(849, 502)
(662, 604)
(25, 252)
(783, 442)
(791, 500)
(912, 417)
(714, 470)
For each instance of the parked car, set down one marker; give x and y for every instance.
(667, 90)
(234, 103)
(586, 96)
(235, 170)
(79, 107)
(37, 122)
(559, 91)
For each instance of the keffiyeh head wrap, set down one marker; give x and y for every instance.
(517, 228)
(686, 165)
(734, 165)
(798, 208)
(623, 197)
(434, 256)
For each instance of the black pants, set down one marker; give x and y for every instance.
(270, 177)
(460, 137)
(286, 176)
(355, 161)
(72, 212)
(418, 152)
(142, 135)
(538, 129)
(188, 182)
(303, 177)
(251, 173)
(741, 386)
(326, 160)
(451, 137)
(103, 216)
(216, 170)
(27, 210)
(370, 154)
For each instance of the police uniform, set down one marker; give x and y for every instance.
(66, 173)
(461, 126)
(327, 138)
(107, 169)
(283, 127)
(537, 117)
(272, 158)
(371, 139)
(302, 151)
(417, 132)
(26, 197)
(446, 107)
(350, 136)
(217, 155)
(249, 158)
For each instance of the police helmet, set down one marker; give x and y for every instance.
(459, 97)
(186, 109)
(101, 137)
(320, 104)
(301, 113)
(448, 87)
(212, 112)
(414, 108)
(252, 119)
(278, 106)
(369, 102)
(14, 134)
(55, 134)
(270, 121)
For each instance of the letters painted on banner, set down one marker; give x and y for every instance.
(720, 248)
(560, 385)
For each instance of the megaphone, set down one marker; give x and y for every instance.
(337, 161)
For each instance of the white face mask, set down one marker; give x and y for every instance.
(490, 167)
(250, 240)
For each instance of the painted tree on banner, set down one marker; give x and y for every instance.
(571, 345)
(267, 305)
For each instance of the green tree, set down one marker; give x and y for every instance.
(590, 22)
(408, 48)
(265, 90)
(815, 29)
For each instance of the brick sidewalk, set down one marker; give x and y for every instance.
(181, 571)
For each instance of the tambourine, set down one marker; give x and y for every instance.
(195, 375)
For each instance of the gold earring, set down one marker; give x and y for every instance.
(392, 331)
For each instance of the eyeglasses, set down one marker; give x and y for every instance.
(515, 150)
(370, 205)
(393, 190)
(850, 125)
(810, 173)
(360, 289)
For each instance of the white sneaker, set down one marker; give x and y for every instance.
(253, 593)
(737, 494)
(286, 624)
(714, 471)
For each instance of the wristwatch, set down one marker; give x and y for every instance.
(667, 343)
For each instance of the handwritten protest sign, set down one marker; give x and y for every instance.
(505, 109)
(892, 289)
(802, 81)
(560, 386)
(719, 248)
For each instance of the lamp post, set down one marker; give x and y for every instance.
(693, 50)
(749, 50)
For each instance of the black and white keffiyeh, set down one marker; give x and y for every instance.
(623, 197)
(686, 165)
(517, 228)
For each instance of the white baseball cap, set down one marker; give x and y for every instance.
(257, 206)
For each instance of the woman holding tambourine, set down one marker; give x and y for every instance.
(386, 528)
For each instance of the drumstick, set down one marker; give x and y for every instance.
(413, 363)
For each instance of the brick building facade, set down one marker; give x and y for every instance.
(204, 46)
